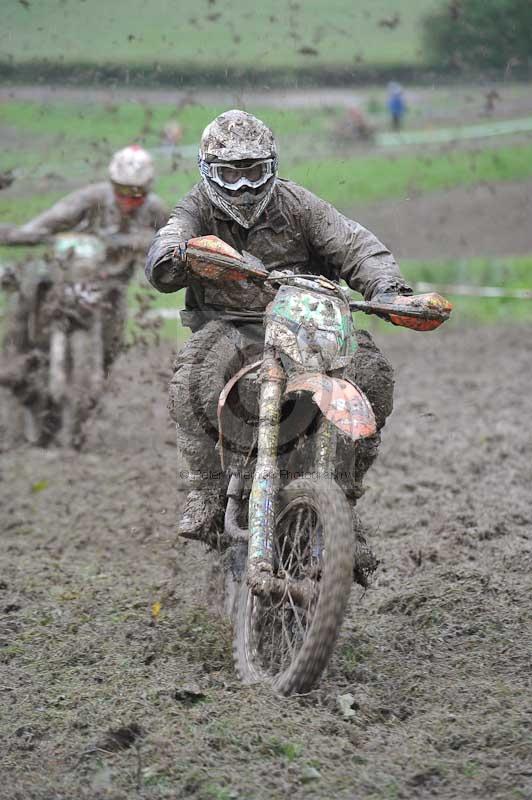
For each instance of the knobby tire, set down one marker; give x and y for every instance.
(331, 508)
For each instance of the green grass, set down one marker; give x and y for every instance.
(49, 164)
(38, 148)
(511, 273)
(505, 272)
(349, 181)
(360, 179)
(94, 132)
(112, 123)
(233, 32)
(46, 154)
(21, 209)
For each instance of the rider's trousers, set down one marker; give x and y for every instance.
(213, 355)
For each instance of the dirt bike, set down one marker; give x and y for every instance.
(290, 561)
(62, 375)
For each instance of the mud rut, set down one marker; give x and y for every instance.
(436, 655)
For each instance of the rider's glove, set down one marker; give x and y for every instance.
(179, 253)
(119, 243)
(389, 298)
(281, 273)
(10, 234)
(384, 299)
(173, 268)
(8, 279)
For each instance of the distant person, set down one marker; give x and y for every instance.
(124, 204)
(396, 105)
(354, 126)
(172, 133)
(490, 98)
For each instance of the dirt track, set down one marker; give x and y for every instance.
(483, 220)
(436, 654)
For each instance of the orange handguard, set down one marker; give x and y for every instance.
(213, 259)
(436, 308)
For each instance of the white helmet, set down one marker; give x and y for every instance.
(238, 163)
(132, 166)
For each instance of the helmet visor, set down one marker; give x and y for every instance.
(233, 176)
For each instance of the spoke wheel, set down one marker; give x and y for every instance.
(285, 636)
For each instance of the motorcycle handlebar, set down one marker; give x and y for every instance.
(10, 236)
(380, 308)
(421, 312)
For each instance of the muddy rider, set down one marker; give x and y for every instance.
(123, 212)
(241, 199)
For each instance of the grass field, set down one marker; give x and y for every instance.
(55, 147)
(344, 182)
(214, 33)
(42, 152)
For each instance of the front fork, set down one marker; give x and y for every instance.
(262, 500)
(325, 455)
(265, 488)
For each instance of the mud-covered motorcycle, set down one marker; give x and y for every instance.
(61, 375)
(290, 560)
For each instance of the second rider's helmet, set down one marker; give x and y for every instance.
(238, 163)
(131, 173)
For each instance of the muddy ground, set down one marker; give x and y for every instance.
(488, 219)
(436, 654)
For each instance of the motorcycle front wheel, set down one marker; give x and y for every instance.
(85, 382)
(286, 641)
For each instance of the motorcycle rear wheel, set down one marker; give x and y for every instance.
(287, 642)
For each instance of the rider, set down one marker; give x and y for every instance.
(123, 212)
(241, 200)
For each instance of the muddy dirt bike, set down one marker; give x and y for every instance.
(289, 565)
(62, 375)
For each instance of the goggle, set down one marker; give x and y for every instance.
(230, 176)
(129, 191)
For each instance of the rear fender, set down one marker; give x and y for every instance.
(340, 401)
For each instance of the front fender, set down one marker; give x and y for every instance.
(341, 401)
(222, 401)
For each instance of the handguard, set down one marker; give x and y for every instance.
(211, 258)
(419, 312)
(434, 309)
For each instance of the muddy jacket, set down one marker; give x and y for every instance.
(297, 231)
(93, 209)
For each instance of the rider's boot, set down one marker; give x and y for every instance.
(202, 516)
(365, 562)
(14, 371)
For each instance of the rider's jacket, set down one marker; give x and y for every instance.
(297, 231)
(93, 209)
